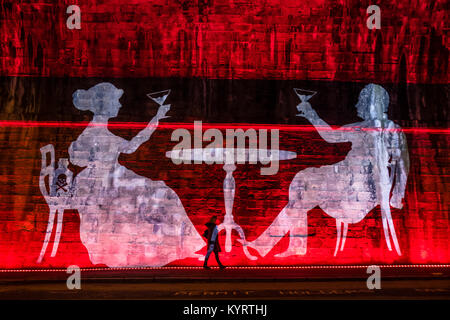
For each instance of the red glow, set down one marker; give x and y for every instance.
(223, 39)
(142, 125)
(422, 224)
(273, 39)
(390, 266)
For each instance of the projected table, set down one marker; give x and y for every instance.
(229, 157)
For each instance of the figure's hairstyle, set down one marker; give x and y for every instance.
(96, 99)
(373, 94)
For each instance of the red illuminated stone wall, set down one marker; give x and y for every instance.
(232, 63)
(321, 39)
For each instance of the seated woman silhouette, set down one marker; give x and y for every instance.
(126, 219)
(377, 164)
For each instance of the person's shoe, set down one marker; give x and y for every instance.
(206, 267)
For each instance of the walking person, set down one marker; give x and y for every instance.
(212, 234)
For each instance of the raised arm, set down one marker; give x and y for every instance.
(143, 136)
(327, 133)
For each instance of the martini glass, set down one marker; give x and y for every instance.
(160, 97)
(304, 96)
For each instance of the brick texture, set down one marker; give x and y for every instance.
(323, 39)
(232, 63)
(422, 225)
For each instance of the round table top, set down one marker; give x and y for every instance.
(231, 155)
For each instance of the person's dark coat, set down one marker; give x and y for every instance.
(208, 234)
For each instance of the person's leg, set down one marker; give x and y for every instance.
(216, 254)
(272, 235)
(208, 253)
(293, 219)
(298, 232)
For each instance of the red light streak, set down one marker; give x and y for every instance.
(142, 125)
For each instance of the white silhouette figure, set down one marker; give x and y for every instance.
(377, 164)
(125, 219)
(58, 197)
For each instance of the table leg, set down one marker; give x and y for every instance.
(229, 188)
